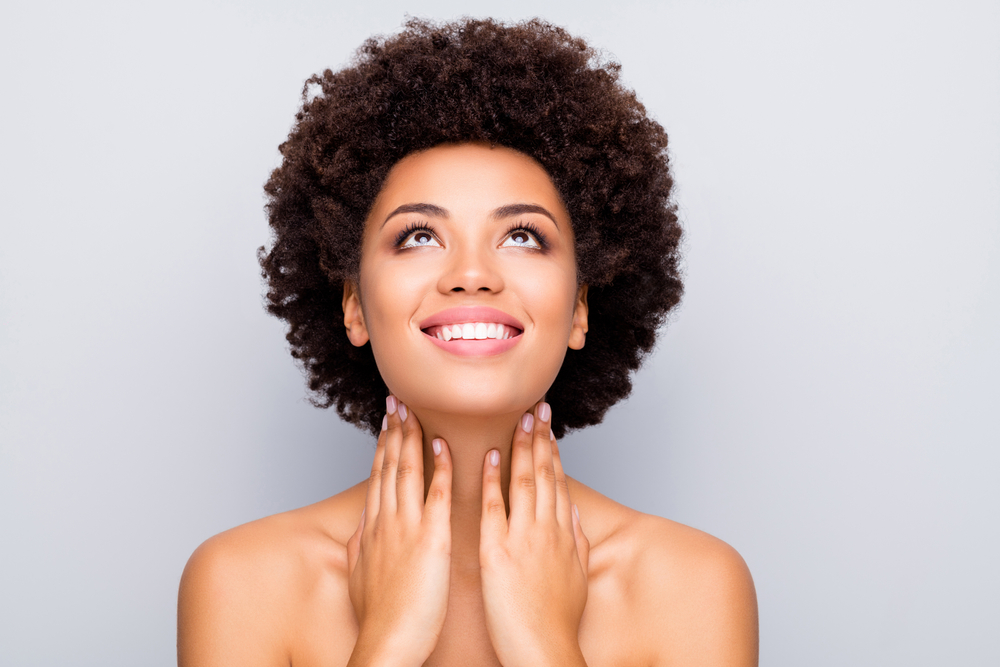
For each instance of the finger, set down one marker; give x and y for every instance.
(582, 543)
(410, 471)
(564, 506)
(493, 524)
(393, 444)
(522, 473)
(437, 507)
(375, 478)
(354, 545)
(541, 456)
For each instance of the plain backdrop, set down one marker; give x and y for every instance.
(825, 399)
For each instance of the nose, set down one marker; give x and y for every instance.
(471, 270)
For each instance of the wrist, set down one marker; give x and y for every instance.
(375, 650)
(554, 653)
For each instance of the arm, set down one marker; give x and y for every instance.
(226, 613)
(706, 618)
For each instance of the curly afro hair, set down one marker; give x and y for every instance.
(530, 87)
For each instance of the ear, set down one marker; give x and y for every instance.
(578, 332)
(354, 317)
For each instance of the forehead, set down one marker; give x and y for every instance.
(468, 179)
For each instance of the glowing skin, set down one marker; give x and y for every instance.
(421, 564)
(464, 200)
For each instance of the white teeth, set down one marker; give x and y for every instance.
(475, 331)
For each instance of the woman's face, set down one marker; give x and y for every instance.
(468, 289)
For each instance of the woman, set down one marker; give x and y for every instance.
(486, 212)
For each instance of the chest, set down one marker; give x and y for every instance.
(464, 638)
(610, 631)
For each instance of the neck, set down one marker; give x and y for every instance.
(469, 439)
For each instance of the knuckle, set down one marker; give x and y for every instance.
(404, 470)
(495, 506)
(546, 472)
(526, 482)
(388, 464)
(436, 492)
(376, 476)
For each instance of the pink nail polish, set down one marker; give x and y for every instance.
(544, 412)
(436, 446)
(526, 421)
(494, 458)
(390, 404)
(576, 511)
(402, 412)
(385, 422)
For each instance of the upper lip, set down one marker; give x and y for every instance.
(464, 314)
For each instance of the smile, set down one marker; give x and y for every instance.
(473, 330)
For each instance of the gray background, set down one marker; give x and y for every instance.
(824, 400)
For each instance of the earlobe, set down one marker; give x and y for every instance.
(578, 333)
(354, 317)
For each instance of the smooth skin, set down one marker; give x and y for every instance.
(468, 544)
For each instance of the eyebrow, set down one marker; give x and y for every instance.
(508, 211)
(426, 209)
(511, 210)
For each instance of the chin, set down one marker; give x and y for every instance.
(481, 398)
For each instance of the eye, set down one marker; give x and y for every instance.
(418, 238)
(521, 237)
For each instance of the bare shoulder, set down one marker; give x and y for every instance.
(690, 595)
(247, 593)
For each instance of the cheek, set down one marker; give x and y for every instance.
(391, 297)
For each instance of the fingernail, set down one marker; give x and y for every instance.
(552, 436)
(494, 458)
(576, 511)
(526, 421)
(402, 412)
(390, 404)
(436, 446)
(385, 422)
(544, 412)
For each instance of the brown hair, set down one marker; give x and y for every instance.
(528, 86)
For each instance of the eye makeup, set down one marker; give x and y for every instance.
(524, 226)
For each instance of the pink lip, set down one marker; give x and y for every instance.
(473, 348)
(464, 314)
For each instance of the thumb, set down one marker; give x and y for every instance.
(493, 524)
(354, 544)
(582, 543)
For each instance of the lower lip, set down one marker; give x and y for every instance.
(484, 347)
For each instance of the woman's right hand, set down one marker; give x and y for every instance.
(399, 559)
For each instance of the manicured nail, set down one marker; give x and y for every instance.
(390, 404)
(552, 436)
(576, 511)
(385, 422)
(544, 412)
(402, 412)
(494, 458)
(526, 421)
(436, 446)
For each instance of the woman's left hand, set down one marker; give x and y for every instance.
(534, 564)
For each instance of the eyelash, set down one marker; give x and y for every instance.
(529, 227)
